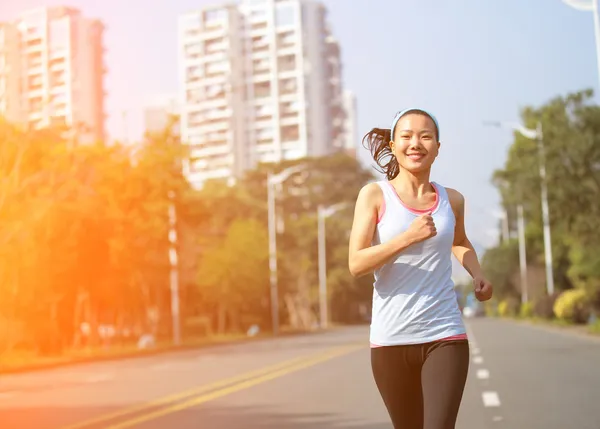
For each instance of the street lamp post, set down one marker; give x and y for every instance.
(322, 214)
(589, 6)
(174, 271)
(272, 181)
(537, 135)
(522, 255)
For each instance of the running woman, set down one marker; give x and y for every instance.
(405, 230)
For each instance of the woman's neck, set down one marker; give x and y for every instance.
(416, 184)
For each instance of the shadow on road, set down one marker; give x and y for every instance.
(204, 416)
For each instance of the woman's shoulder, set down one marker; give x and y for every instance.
(456, 199)
(372, 189)
(371, 194)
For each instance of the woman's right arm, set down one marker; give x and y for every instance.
(363, 258)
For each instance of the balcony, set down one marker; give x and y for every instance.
(215, 126)
(261, 78)
(34, 70)
(289, 119)
(211, 33)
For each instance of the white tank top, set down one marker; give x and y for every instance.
(413, 298)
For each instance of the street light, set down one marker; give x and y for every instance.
(272, 181)
(522, 255)
(322, 214)
(589, 6)
(538, 137)
(174, 272)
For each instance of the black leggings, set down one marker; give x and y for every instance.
(422, 385)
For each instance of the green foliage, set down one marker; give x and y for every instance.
(84, 242)
(526, 310)
(543, 307)
(508, 307)
(573, 306)
(500, 264)
(571, 137)
(234, 275)
(83, 236)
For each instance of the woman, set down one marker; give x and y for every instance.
(405, 230)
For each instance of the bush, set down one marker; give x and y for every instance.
(526, 310)
(490, 308)
(573, 306)
(508, 307)
(544, 307)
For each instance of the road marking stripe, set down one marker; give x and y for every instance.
(231, 389)
(476, 351)
(478, 360)
(188, 393)
(490, 399)
(483, 374)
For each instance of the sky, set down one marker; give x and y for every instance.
(467, 61)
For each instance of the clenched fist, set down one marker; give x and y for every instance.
(422, 228)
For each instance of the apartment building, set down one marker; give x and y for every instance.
(260, 82)
(53, 71)
(9, 80)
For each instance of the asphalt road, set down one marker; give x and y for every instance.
(521, 377)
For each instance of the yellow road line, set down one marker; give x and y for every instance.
(185, 394)
(234, 388)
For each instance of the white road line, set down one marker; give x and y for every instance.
(478, 360)
(476, 351)
(490, 399)
(497, 418)
(483, 374)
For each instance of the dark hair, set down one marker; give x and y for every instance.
(377, 141)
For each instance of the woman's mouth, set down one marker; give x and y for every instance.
(416, 156)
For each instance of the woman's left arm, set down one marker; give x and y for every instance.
(463, 249)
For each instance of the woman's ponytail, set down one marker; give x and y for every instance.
(377, 141)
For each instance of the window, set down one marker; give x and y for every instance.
(215, 91)
(285, 15)
(290, 133)
(194, 96)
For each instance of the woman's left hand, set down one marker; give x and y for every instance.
(483, 288)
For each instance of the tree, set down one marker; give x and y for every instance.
(571, 131)
(234, 276)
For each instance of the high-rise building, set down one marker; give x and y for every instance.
(53, 71)
(260, 82)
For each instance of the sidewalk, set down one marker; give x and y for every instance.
(74, 357)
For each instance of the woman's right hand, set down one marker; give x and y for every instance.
(422, 228)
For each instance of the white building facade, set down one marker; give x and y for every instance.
(260, 82)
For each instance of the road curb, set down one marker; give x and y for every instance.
(152, 352)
